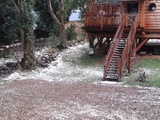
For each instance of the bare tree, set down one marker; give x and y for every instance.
(58, 20)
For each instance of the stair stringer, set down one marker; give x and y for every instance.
(113, 46)
(125, 62)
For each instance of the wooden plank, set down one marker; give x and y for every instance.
(151, 36)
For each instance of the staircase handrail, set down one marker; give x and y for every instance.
(114, 44)
(128, 46)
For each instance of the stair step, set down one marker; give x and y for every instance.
(122, 40)
(118, 53)
(117, 57)
(112, 72)
(111, 77)
(115, 60)
(121, 43)
(119, 47)
(112, 69)
(113, 66)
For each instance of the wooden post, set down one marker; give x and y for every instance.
(129, 62)
(100, 40)
(91, 41)
(134, 47)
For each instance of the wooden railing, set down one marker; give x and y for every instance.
(113, 45)
(102, 20)
(102, 15)
(130, 18)
(126, 52)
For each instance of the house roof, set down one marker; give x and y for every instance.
(113, 2)
(110, 2)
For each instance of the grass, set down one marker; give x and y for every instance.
(151, 67)
(95, 60)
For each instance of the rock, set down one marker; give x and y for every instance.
(12, 65)
(61, 46)
(1, 52)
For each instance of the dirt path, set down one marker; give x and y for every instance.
(42, 100)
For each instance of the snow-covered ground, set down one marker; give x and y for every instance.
(64, 68)
(58, 93)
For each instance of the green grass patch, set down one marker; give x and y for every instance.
(95, 60)
(151, 67)
(148, 63)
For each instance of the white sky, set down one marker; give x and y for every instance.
(74, 16)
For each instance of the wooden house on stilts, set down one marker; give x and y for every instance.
(125, 25)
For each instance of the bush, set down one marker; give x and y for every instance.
(70, 32)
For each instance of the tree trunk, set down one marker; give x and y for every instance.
(27, 37)
(28, 61)
(60, 22)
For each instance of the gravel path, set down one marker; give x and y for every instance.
(43, 100)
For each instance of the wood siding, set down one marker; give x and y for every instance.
(152, 18)
(149, 20)
(102, 15)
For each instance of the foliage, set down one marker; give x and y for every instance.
(10, 20)
(72, 5)
(44, 21)
(70, 32)
(9, 23)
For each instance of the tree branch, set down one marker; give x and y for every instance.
(62, 10)
(16, 6)
(53, 16)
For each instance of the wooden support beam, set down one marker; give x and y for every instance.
(134, 47)
(100, 40)
(149, 36)
(91, 40)
(129, 62)
(142, 43)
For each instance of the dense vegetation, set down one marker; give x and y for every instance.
(19, 18)
(10, 20)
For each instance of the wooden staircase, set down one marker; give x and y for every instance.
(119, 54)
(112, 73)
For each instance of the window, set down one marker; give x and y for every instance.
(132, 8)
(152, 7)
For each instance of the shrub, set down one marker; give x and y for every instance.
(70, 32)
